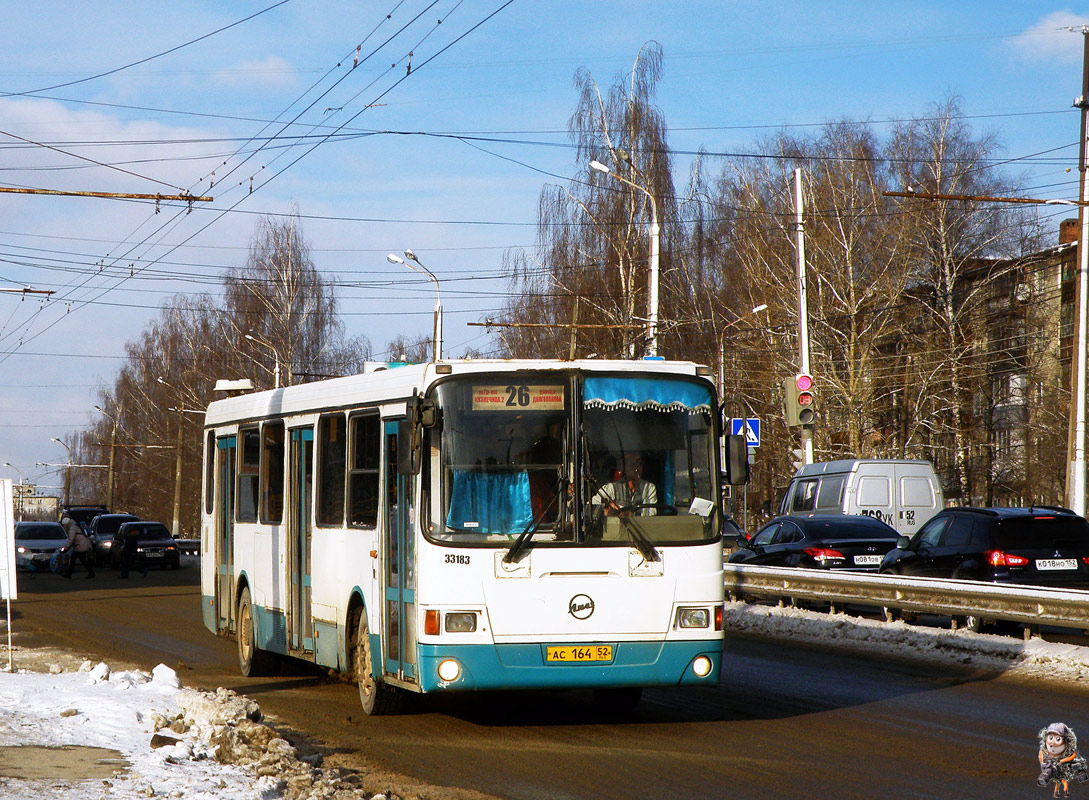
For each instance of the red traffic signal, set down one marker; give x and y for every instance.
(800, 401)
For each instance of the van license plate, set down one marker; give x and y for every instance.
(1056, 563)
(868, 561)
(571, 655)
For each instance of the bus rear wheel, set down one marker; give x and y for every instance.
(252, 660)
(377, 698)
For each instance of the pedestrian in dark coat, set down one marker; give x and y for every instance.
(129, 546)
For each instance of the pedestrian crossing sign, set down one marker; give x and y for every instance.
(750, 427)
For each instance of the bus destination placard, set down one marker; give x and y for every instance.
(518, 397)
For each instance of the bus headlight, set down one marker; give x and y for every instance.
(702, 666)
(459, 621)
(693, 618)
(450, 670)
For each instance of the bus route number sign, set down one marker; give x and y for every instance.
(518, 397)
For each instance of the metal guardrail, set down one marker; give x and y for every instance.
(945, 596)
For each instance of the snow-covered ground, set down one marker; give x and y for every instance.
(1035, 658)
(158, 739)
(174, 742)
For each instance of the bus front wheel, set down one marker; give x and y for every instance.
(252, 660)
(376, 697)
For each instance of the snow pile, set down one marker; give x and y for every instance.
(169, 742)
(1035, 657)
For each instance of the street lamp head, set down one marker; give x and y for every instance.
(393, 258)
(411, 256)
(58, 441)
(597, 166)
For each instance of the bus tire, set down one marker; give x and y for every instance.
(252, 661)
(377, 698)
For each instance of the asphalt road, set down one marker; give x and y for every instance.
(785, 722)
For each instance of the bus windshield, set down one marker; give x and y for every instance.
(632, 460)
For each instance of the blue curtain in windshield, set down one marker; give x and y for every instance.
(482, 502)
(645, 393)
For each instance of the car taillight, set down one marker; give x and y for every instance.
(1085, 560)
(996, 558)
(823, 554)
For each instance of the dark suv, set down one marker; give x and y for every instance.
(1039, 545)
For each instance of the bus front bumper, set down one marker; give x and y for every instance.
(524, 666)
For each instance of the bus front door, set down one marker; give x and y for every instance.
(224, 548)
(299, 620)
(399, 631)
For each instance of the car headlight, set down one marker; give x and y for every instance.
(20, 549)
(693, 618)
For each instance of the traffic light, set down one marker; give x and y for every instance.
(799, 401)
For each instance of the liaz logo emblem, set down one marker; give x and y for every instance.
(581, 606)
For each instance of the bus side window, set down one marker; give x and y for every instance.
(272, 473)
(366, 442)
(249, 474)
(332, 452)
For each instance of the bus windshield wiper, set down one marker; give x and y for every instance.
(642, 543)
(522, 541)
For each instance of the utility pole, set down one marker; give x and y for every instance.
(803, 305)
(1075, 481)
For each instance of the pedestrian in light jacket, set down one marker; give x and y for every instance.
(78, 547)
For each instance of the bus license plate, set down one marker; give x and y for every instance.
(868, 561)
(575, 654)
(1056, 563)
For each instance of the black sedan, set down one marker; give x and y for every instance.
(154, 545)
(819, 541)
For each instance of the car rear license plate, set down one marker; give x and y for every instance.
(153, 555)
(1056, 563)
(867, 561)
(579, 653)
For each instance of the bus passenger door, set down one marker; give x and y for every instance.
(224, 546)
(399, 633)
(299, 620)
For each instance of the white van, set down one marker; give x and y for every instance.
(902, 493)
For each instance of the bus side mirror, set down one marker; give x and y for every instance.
(409, 450)
(736, 460)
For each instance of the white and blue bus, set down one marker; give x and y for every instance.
(472, 525)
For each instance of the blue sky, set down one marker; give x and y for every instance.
(733, 72)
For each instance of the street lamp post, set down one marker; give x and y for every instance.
(722, 344)
(652, 278)
(275, 355)
(67, 473)
(113, 447)
(436, 340)
(22, 482)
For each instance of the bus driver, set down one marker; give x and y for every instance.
(630, 495)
